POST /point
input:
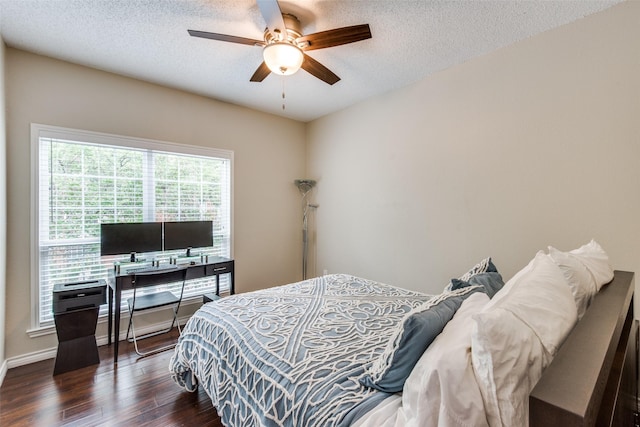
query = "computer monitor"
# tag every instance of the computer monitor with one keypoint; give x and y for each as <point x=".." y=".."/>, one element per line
<point x="187" y="235"/>
<point x="130" y="237"/>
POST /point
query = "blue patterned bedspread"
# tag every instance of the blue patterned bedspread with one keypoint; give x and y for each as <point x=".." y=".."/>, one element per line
<point x="291" y="355"/>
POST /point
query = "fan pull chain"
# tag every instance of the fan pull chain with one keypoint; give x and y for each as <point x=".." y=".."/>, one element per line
<point x="283" y="97"/>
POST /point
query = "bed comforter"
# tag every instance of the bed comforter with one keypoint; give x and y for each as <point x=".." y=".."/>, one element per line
<point x="292" y="355"/>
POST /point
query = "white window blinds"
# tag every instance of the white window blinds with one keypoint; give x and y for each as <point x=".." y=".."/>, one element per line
<point x="85" y="179"/>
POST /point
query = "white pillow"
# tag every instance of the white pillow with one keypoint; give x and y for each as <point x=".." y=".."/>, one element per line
<point x="516" y="336"/>
<point x="583" y="285"/>
<point x="597" y="262"/>
<point x="442" y="389"/>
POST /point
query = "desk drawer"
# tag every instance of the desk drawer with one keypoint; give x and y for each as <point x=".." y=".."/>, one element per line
<point x="221" y="268"/>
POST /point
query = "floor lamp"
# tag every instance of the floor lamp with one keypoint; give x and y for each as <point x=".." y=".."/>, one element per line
<point x="305" y="186"/>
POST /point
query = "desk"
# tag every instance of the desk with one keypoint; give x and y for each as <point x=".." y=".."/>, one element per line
<point x="124" y="281"/>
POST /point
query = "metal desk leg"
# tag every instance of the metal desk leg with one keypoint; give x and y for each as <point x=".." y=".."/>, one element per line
<point x="116" y="326"/>
<point x="110" y="316"/>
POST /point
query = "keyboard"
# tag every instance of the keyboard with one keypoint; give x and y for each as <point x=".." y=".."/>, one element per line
<point x="149" y="269"/>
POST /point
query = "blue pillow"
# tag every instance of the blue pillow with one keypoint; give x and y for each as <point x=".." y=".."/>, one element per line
<point x="486" y="265"/>
<point x="491" y="281"/>
<point x="418" y="329"/>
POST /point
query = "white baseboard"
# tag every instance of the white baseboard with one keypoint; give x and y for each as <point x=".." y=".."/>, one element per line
<point x="33" y="357"/>
<point x="50" y="353"/>
<point x="3" y="371"/>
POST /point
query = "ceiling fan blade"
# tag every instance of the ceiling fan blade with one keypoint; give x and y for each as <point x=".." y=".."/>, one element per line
<point x="273" y="17"/>
<point x="318" y="70"/>
<point x="335" y="37"/>
<point x="261" y="73"/>
<point x="225" y="38"/>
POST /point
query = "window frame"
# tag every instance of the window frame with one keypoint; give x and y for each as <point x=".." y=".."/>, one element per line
<point x="84" y="136"/>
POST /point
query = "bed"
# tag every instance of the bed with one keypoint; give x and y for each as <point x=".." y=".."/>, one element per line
<point x="341" y="350"/>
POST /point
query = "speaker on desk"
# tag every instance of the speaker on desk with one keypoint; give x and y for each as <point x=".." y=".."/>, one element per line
<point x="75" y="311"/>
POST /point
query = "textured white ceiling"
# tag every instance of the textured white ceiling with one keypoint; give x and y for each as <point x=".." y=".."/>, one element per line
<point x="148" y="40"/>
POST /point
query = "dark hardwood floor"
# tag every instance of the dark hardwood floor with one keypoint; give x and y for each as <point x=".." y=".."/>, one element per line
<point x="137" y="392"/>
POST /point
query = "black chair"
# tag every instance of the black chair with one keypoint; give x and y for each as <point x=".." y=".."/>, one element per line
<point x="149" y="301"/>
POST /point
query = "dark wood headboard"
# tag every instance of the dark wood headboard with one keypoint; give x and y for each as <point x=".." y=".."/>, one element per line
<point x="592" y="379"/>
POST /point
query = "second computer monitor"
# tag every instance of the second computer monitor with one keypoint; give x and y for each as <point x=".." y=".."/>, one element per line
<point x="187" y="235"/>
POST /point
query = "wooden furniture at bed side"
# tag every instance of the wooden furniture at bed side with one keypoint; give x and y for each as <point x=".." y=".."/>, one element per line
<point x="592" y="379"/>
<point x="209" y="297"/>
<point x="121" y="282"/>
<point x="618" y="402"/>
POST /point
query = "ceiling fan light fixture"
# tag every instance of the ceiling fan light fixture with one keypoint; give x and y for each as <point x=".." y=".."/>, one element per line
<point x="283" y="58"/>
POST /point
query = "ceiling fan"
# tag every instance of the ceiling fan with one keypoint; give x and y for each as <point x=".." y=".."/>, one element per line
<point x="284" y="45"/>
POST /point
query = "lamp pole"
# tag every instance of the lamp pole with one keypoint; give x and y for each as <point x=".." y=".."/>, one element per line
<point x="305" y="186"/>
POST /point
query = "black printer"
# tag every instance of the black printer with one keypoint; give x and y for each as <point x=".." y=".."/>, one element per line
<point x="79" y="295"/>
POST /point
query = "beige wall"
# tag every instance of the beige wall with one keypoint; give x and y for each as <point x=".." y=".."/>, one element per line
<point x="535" y="144"/>
<point x="269" y="155"/>
<point x="3" y="210"/>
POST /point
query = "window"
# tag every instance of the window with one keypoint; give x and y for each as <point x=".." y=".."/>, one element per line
<point x="83" y="179"/>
